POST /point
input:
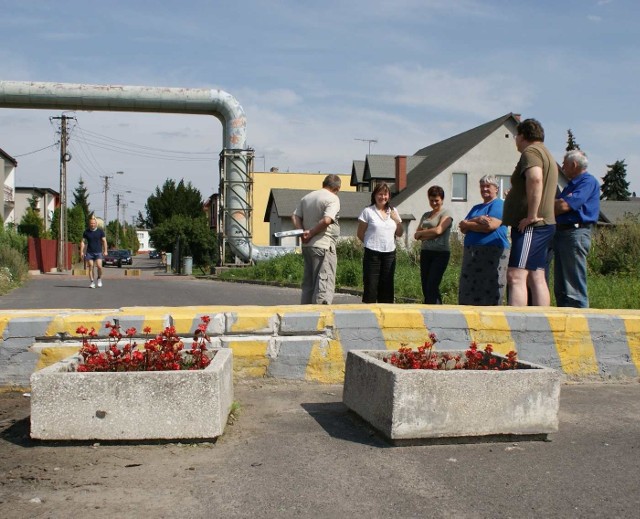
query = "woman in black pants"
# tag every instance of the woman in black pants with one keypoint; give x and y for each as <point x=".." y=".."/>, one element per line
<point x="378" y="226"/>
<point x="434" y="232"/>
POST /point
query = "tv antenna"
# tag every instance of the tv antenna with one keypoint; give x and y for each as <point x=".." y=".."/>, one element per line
<point x="369" y="141"/>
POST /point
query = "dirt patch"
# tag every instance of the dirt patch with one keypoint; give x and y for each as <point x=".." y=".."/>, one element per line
<point x="107" y="479"/>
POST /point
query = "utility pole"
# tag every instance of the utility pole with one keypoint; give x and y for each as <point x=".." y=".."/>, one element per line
<point x="117" y="220"/>
<point x="64" y="158"/>
<point x="369" y="141"/>
<point x="118" y="195"/>
<point x="106" y="191"/>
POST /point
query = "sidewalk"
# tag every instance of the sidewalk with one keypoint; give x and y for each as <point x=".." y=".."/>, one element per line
<point x="295" y="451"/>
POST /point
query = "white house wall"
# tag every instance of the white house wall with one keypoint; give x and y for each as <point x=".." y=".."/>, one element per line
<point x="495" y="155"/>
<point x="9" y="191"/>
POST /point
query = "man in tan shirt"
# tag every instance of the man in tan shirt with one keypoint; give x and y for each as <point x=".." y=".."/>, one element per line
<point x="529" y="210"/>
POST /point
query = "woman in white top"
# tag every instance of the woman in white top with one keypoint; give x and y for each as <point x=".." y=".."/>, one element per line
<point x="378" y="226"/>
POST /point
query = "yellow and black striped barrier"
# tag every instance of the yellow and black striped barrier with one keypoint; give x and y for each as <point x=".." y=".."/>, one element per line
<point x="311" y="342"/>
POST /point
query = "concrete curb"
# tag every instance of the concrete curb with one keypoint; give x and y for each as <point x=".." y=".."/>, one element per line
<point x="311" y="342"/>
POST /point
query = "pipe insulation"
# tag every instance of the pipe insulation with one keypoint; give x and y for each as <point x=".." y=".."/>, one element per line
<point x="119" y="98"/>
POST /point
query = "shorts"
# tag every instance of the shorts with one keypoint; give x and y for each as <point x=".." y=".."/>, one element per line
<point x="93" y="255"/>
<point x="530" y="249"/>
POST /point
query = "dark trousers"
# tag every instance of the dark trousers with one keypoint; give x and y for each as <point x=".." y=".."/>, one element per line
<point x="378" y="271"/>
<point x="432" y="267"/>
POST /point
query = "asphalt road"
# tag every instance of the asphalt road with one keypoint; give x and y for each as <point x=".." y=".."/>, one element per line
<point x="152" y="288"/>
<point x="295" y="451"/>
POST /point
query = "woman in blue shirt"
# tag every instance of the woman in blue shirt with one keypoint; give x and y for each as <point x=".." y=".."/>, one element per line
<point x="484" y="262"/>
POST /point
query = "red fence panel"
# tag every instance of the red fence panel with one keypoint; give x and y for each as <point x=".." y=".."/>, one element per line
<point x="43" y="254"/>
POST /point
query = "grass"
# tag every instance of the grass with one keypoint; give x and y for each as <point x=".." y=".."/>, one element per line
<point x="615" y="289"/>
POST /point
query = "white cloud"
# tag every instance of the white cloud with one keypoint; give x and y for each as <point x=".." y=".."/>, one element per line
<point x="483" y="95"/>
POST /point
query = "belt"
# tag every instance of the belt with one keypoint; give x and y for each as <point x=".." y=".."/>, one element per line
<point x="572" y="226"/>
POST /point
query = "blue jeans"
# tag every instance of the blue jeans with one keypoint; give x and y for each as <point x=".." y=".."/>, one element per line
<point x="570" y="250"/>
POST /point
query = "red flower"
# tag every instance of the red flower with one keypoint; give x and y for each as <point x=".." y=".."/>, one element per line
<point x="82" y="330"/>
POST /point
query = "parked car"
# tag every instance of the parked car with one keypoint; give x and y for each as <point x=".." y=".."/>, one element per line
<point x="117" y="258"/>
<point x="154" y="254"/>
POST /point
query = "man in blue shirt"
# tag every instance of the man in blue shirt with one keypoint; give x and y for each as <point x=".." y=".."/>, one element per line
<point x="577" y="209"/>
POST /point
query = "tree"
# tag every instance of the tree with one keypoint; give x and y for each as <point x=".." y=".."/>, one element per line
<point x="614" y="183"/>
<point x="76" y="224"/>
<point x="192" y="235"/>
<point x="141" y="221"/>
<point x="571" y="142"/>
<point x="81" y="199"/>
<point x="172" y="200"/>
<point x="31" y="224"/>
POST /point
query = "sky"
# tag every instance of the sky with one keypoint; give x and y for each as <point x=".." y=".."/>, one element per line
<point x="316" y="80"/>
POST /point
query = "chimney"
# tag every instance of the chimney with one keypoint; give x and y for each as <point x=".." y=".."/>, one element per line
<point x="401" y="173"/>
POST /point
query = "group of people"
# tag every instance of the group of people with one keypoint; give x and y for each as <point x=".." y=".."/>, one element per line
<point x="545" y="222"/>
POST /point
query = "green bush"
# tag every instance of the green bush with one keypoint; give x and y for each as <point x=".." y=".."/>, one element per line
<point x="350" y="249"/>
<point x="618" y="289"/>
<point x="11" y="239"/>
<point x="615" y="249"/>
<point x="13" y="268"/>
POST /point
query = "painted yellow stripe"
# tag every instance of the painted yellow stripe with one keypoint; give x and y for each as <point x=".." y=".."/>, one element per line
<point x="326" y="363"/>
<point x="252" y="320"/>
<point x="184" y="316"/>
<point x="7" y="316"/>
<point x="49" y="356"/>
<point x="573" y="344"/>
<point x="250" y="358"/>
<point x="632" y="327"/>
<point x="69" y="323"/>
<point x="487" y="327"/>
<point x="401" y="326"/>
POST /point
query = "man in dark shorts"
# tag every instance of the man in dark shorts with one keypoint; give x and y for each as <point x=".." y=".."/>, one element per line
<point x="96" y="248"/>
<point x="529" y="210"/>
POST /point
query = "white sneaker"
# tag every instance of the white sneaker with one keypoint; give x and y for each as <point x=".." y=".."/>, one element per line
<point x="92" y="285"/>
<point x="99" y="283"/>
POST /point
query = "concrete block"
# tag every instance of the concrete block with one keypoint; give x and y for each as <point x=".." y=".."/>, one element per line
<point x="66" y="405"/>
<point x="290" y="356"/>
<point x="299" y="323"/>
<point x="132" y="272"/>
<point x="415" y="404"/>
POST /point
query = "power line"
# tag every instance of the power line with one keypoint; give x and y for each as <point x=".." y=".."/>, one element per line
<point x="55" y="144"/>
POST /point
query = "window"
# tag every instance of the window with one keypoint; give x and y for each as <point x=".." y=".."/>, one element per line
<point x="459" y="190"/>
<point x="504" y="184"/>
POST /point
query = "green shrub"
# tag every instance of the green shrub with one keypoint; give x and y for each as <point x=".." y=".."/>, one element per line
<point x="350" y="249"/>
<point x="615" y="249"/>
<point x="11" y="239"/>
<point x="349" y="273"/>
<point x="13" y="268"/>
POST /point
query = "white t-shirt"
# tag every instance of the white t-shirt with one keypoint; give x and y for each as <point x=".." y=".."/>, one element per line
<point x="381" y="232"/>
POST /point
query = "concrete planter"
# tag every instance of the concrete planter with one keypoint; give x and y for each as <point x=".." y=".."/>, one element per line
<point x="414" y="404"/>
<point x="66" y="405"/>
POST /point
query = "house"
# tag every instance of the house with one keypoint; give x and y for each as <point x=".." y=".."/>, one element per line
<point x="282" y="203"/>
<point x="615" y="211"/>
<point x="144" y="241"/>
<point x="46" y="199"/>
<point x="264" y="182"/>
<point x="456" y="164"/>
<point x="8" y="176"/>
